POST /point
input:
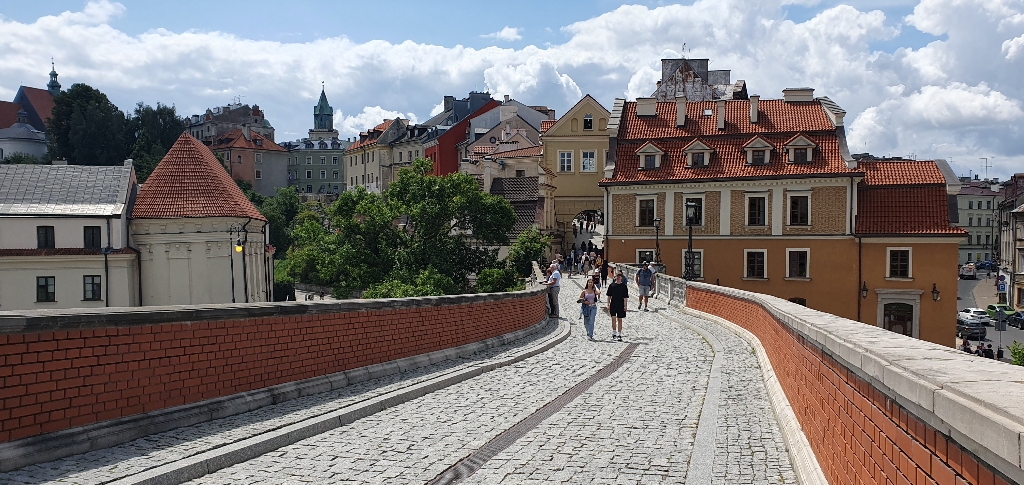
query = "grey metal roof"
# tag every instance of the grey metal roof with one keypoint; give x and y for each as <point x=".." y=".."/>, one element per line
<point x="72" y="190"/>
<point x="22" y="131"/>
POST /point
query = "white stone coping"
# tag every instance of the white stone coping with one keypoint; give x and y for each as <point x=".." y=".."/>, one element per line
<point x="976" y="401"/>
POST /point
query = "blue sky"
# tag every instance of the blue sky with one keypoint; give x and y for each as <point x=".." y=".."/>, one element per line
<point x="933" y="78"/>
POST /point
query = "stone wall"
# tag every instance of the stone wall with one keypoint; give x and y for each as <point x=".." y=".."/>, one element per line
<point x="64" y="369"/>
<point x="877" y="407"/>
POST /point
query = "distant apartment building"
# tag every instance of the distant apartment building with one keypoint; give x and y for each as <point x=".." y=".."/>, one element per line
<point x="248" y="155"/>
<point x="316" y="164"/>
<point x="371" y="151"/>
<point x="218" y="121"/>
<point x="1011" y="241"/>
<point x="978" y="210"/>
<point x="450" y="127"/>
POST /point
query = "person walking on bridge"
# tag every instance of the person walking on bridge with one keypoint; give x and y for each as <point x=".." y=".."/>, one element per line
<point x="589" y="298"/>
<point x="554" y="284"/>
<point x="618" y="295"/>
<point x="645" y="281"/>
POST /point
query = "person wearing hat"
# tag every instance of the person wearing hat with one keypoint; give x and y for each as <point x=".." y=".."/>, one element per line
<point x="645" y="281"/>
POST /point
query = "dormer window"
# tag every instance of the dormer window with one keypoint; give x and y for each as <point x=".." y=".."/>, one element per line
<point x="800" y="149"/>
<point x="588" y="122"/>
<point x="697" y="154"/>
<point x="758" y="151"/>
<point x="650" y="156"/>
<point x="757" y="157"/>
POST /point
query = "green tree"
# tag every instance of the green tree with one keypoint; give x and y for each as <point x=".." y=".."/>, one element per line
<point x="21" y="158"/>
<point x="149" y="133"/>
<point x="1017" y="353"/>
<point x="494" y="280"/>
<point x="529" y="247"/>
<point x="85" y="128"/>
<point x="280" y="210"/>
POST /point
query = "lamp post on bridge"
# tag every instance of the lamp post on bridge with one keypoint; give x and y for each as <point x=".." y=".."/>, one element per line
<point x="657" y="245"/>
<point x="691" y="212"/>
<point x="234" y="238"/>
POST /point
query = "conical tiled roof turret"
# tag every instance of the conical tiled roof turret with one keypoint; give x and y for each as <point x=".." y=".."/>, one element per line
<point x="190" y="182"/>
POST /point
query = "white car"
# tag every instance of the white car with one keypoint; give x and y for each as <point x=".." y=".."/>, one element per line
<point x="974" y="315"/>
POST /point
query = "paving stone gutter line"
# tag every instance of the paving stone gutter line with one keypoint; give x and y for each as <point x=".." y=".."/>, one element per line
<point x="196" y="466"/>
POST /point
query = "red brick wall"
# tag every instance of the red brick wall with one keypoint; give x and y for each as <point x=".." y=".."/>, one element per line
<point x="51" y="381"/>
<point x="858" y="434"/>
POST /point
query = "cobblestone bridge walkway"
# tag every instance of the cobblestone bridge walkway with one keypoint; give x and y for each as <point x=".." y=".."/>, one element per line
<point x="687" y="405"/>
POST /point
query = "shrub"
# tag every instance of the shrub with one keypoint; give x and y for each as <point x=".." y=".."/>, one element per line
<point x="496" y="280"/>
<point x="1017" y="353"/>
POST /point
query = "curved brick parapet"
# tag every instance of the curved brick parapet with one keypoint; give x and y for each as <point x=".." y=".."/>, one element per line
<point x="70" y="368"/>
<point x="877" y="407"/>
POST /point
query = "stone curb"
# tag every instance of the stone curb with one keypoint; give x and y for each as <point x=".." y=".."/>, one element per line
<point x="801" y="456"/>
<point x="105" y="434"/>
<point x="219" y="458"/>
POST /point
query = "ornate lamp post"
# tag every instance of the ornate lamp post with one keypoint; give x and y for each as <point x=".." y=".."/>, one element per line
<point x="234" y="234"/>
<point x="691" y="213"/>
<point x="657" y="246"/>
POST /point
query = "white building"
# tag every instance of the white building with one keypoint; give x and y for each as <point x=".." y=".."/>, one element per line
<point x="64" y="237"/>
<point x="199" y="238"/>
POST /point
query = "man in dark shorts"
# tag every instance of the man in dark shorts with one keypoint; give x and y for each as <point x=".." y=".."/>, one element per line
<point x="618" y="294"/>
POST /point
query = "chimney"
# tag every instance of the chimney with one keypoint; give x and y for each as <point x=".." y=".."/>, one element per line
<point x="680" y="111"/>
<point x="721" y="114"/>
<point x="62" y="161"/>
<point x="245" y="132"/>
<point x="506" y="98"/>
<point x="646" y="107"/>
<point x="753" y="107"/>
<point x="791" y="95"/>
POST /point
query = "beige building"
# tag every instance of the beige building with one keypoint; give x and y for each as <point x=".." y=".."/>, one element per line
<point x="199" y="238"/>
<point x="978" y="208"/>
<point x="369" y="160"/>
<point x="576" y="149"/>
<point x="64" y="237"/>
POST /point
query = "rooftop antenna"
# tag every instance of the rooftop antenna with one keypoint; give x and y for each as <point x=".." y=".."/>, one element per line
<point x="986" y="165"/>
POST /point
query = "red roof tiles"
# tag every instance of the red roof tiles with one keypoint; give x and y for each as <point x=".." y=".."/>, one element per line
<point x="369" y="137"/>
<point x="256" y="141"/>
<point x="775" y="116"/>
<point x="534" y="151"/>
<point x="546" y="124"/>
<point x="900" y="172"/>
<point x="41" y="100"/>
<point x="8" y="113"/>
<point x="190" y="182"/>
<point x="884" y="211"/>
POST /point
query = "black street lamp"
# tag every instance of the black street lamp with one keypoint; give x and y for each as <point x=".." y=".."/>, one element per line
<point x="234" y="238"/>
<point x="657" y="246"/>
<point x="691" y="213"/>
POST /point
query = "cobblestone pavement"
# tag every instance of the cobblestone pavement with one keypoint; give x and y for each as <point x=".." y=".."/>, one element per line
<point x="636" y="426"/>
<point x="106" y="465"/>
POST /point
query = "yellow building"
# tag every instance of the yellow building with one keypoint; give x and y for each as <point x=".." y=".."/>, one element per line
<point x="576" y="148"/>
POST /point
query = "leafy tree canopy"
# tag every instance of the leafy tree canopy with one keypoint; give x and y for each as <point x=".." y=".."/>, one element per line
<point x="530" y="247"/>
<point x="22" y="159"/>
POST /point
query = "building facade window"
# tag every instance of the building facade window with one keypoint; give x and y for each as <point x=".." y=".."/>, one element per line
<point x="698" y="263"/>
<point x="755" y="260"/>
<point x="800" y="155"/>
<point x="588" y="122"/>
<point x="91" y="286"/>
<point x="323" y="160"/>
<point x="309" y="160"/>
<point x="799" y="210"/>
<point x="309" y="189"/>
<point x="698" y="213"/>
<point x="259" y="174"/>
<point x="757" y="157"/>
<point x="798" y="262"/>
<point x="757" y="211"/>
<point x="335" y="174"/>
<point x="399" y="156"/>
<point x="46" y="288"/>
<point x="565" y="161"/>
<point x="334" y="160"/>
<point x="644" y="255"/>
<point x="970" y="204"/>
<point x="988" y="204"/>
<point x="650" y="162"/>
<point x="899" y="263"/>
<point x="520" y="173"/>
<point x="309" y="174"/>
<point x="588" y="162"/>
<point x="44" y="237"/>
<point x="645" y="212"/>
<point x="323" y="174"/>
<point x="970" y="221"/>
<point x="92" y="238"/>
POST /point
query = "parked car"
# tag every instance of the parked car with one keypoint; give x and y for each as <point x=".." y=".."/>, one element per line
<point x="968" y="272"/>
<point x="970" y="330"/>
<point x="974" y="315"/>
<point x="1016" y="320"/>
<point x="993" y="309"/>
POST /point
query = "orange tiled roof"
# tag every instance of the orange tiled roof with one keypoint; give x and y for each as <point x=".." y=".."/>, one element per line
<point x="534" y="151"/>
<point x="545" y="125"/>
<point x="883" y="211"/>
<point x="235" y="139"/>
<point x="900" y="172"/>
<point x="8" y="113"/>
<point x="369" y="137"/>
<point x="774" y="116"/>
<point x="190" y="182"/>
<point x="41" y="100"/>
<point x="728" y="161"/>
<point x="483" y="149"/>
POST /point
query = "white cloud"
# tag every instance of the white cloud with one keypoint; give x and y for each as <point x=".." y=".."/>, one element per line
<point x="507" y="34"/>
<point x="959" y="95"/>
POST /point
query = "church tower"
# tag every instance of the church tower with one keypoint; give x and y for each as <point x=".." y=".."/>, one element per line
<point x="323" y="120"/>
<point x="53" y="86"/>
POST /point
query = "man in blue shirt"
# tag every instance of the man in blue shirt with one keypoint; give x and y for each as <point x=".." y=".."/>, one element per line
<point x="554" y="284"/>
<point x="645" y="281"/>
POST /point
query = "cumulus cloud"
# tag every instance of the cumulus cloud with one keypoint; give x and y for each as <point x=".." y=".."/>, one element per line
<point x="507" y="34"/>
<point x="959" y="95"/>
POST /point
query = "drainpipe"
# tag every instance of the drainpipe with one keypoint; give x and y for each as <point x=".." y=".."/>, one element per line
<point x="607" y="222"/>
<point x="267" y="277"/>
<point x="245" y="273"/>
<point x="860" y="269"/>
<point x="106" y="268"/>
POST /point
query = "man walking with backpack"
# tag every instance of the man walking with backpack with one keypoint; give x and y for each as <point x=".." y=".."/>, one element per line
<point x="645" y="281"/>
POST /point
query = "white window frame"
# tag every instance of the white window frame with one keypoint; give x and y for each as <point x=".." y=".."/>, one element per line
<point x="650" y="149"/>
<point x="800" y="250"/>
<point x="323" y="175"/>
<point x="888" y="264"/>
<point x="593" y="161"/>
<point x="645" y="197"/>
<point x="744" y="265"/>
<point x="746" y="209"/>
<point x="591" y="116"/>
<point x="789" y="207"/>
<point x="335" y="174"/>
<point x="309" y="174"/>
<point x="703" y="211"/>
<point x="259" y="174"/>
<point x="640" y="250"/>
<point x="309" y="160"/>
<point x="561" y="159"/>
<point x="259" y="158"/>
<point x="323" y="160"/>
<point x="334" y="160"/>
<point x="696" y="251"/>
